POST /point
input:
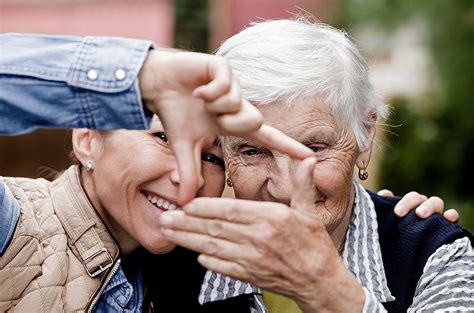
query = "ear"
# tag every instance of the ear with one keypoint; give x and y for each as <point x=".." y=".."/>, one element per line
<point x="83" y="144"/>
<point x="363" y="159"/>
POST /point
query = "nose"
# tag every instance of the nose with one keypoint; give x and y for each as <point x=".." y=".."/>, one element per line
<point x="175" y="176"/>
<point x="280" y="182"/>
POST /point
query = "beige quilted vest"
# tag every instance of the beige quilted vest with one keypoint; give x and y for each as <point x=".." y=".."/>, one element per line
<point x="61" y="254"/>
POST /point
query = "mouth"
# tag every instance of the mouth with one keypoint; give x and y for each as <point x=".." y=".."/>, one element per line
<point x="160" y="203"/>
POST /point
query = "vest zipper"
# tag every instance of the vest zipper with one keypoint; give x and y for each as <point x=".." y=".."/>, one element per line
<point x="106" y="282"/>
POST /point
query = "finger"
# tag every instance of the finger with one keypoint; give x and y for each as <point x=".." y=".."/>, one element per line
<point x="189" y="169"/>
<point x="272" y="138"/>
<point x="451" y="215"/>
<point x="304" y="192"/>
<point x="225" y="267"/>
<point x="220" y="80"/>
<point x="228" y="103"/>
<point x="246" y="120"/>
<point x="385" y="193"/>
<point x="203" y="243"/>
<point x="409" y="202"/>
<point x="431" y="206"/>
<point x="178" y="220"/>
<point x="231" y="210"/>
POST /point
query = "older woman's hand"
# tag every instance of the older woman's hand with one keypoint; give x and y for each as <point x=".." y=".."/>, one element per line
<point x="195" y="95"/>
<point x="424" y="206"/>
<point x="271" y="245"/>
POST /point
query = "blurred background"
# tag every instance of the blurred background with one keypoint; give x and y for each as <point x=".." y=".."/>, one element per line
<point x="420" y="53"/>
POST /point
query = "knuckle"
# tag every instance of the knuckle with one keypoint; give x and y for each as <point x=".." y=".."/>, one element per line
<point x="215" y="228"/>
<point x="437" y="201"/>
<point x="211" y="247"/>
<point x="234" y="103"/>
<point x="413" y="194"/>
<point x="283" y="216"/>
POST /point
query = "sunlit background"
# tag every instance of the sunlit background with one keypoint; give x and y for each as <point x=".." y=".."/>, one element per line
<point x="420" y="53"/>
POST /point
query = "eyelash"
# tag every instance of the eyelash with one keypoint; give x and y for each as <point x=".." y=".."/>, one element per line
<point x="316" y="149"/>
<point x="162" y="136"/>
<point x="206" y="157"/>
<point x="214" y="159"/>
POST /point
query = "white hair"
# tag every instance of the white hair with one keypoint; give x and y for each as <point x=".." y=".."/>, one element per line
<point x="284" y="60"/>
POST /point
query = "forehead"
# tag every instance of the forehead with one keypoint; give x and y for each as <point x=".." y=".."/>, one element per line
<point x="303" y="120"/>
<point x="299" y="117"/>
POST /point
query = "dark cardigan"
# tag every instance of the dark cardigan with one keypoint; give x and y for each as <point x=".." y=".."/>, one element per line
<point x="406" y="245"/>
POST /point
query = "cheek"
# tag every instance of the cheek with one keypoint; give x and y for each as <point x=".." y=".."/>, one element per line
<point x="247" y="181"/>
<point x="213" y="183"/>
<point x="333" y="181"/>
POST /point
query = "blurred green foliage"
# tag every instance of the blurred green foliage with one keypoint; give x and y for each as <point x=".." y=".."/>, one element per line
<point x="433" y="149"/>
<point x="192" y="25"/>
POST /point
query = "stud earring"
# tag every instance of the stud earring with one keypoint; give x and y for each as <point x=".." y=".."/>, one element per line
<point x="229" y="182"/>
<point x="89" y="165"/>
<point x="363" y="174"/>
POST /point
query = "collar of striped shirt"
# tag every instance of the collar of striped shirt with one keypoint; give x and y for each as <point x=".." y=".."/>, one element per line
<point x="361" y="255"/>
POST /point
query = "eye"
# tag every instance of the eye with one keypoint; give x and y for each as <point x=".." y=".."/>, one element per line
<point x="161" y="136"/>
<point x="316" y="148"/>
<point x="214" y="159"/>
<point x="251" y="152"/>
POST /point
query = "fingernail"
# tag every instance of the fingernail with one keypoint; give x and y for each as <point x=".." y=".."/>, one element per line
<point x="167" y="232"/>
<point x="166" y="219"/>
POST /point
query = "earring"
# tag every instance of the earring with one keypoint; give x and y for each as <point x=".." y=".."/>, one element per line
<point x="89" y="165"/>
<point x="229" y="182"/>
<point x="363" y="174"/>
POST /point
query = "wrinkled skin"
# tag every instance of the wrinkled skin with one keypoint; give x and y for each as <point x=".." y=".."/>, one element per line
<point x="287" y="234"/>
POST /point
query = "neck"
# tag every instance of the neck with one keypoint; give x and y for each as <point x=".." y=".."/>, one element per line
<point x="126" y="244"/>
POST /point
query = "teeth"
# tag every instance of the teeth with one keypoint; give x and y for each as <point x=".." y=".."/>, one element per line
<point x="162" y="203"/>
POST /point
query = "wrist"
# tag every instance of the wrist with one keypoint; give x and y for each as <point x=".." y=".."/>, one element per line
<point x="341" y="293"/>
<point x="146" y="80"/>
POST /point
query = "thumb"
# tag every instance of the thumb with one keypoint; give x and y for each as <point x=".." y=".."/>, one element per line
<point x="304" y="192"/>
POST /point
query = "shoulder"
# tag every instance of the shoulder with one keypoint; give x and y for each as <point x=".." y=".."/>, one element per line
<point x="447" y="282"/>
<point x="36" y="218"/>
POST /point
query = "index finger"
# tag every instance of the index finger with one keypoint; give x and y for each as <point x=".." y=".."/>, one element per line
<point x="274" y="139"/>
<point x="219" y="75"/>
<point x="228" y="209"/>
<point x="188" y="170"/>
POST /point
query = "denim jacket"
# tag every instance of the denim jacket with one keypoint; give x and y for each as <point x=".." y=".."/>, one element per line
<point x="71" y="82"/>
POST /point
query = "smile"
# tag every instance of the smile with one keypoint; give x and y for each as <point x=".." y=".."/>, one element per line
<point x="160" y="203"/>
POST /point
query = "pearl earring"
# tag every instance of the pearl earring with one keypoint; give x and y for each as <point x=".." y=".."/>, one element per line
<point x="89" y="165"/>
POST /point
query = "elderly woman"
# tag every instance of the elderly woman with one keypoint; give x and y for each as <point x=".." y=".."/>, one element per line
<point x="308" y="230"/>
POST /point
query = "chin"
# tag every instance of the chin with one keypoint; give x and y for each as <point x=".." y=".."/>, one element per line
<point x="160" y="248"/>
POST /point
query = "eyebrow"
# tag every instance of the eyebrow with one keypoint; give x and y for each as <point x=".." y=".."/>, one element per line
<point x="312" y="137"/>
<point x="318" y="136"/>
<point x="238" y="142"/>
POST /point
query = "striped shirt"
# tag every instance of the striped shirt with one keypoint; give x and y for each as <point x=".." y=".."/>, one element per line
<point x="447" y="282"/>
